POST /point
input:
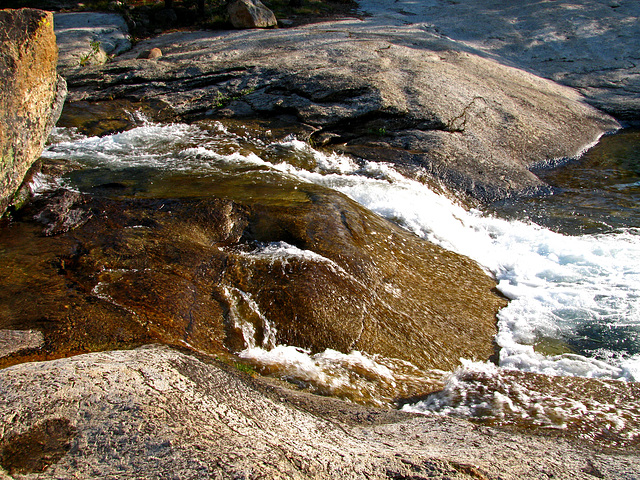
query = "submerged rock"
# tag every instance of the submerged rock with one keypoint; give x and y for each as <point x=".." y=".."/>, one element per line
<point x="32" y="94"/>
<point x="155" y="412"/>
<point x="297" y="265"/>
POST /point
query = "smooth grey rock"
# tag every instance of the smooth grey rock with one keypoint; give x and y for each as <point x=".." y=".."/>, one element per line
<point x="398" y="95"/>
<point x="87" y="38"/>
<point x="591" y="45"/>
<point x="158" y="413"/>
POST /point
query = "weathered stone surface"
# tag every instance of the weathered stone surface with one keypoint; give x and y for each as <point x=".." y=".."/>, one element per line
<point x="89" y="38"/>
<point x="399" y="95"/>
<point x="250" y="14"/>
<point x="32" y="94"/>
<point x="193" y="271"/>
<point x="158" y="413"/>
<point x="590" y="45"/>
<point x="12" y="341"/>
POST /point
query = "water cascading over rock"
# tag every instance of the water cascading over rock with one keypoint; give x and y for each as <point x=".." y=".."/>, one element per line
<point x="324" y="272"/>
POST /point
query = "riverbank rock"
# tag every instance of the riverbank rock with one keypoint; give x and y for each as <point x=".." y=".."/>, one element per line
<point x="300" y="266"/>
<point x="32" y="94"/>
<point x="590" y="45"/>
<point x="12" y="341"/>
<point x="250" y="14"/>
<point x="155" y="413"/>
<point x="88" y="38"/>
<point x="397" y="95"/>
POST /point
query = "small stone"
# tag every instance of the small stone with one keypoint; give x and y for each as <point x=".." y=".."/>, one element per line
<point x="151" y="54"/>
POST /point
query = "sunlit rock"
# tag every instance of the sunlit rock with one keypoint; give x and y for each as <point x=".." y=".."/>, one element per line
<point x="300" y="265"/>
<point x="89" y="38"/>
<point x="156" y="412"/>
<point x="32" y="94"/>
<point x="250" y="14"/>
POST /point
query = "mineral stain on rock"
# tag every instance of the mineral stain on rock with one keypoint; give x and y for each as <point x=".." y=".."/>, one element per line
<point x="42" y="445"/>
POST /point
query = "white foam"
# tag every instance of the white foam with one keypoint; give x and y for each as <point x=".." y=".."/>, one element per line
<point x="41" y="183"/>
<point x="328" y="367"/>
<point x="247" y="317"/>
<point x="326" y="163"/>
<point x="483" y="391"/>
<point x="282" y="252"/>
<point x="354" y="376"/>
<point x="175" y="147"/>
<point x="557" y="284"/>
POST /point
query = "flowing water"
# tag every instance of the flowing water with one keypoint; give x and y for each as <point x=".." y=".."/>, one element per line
<point x="569" y="262"/>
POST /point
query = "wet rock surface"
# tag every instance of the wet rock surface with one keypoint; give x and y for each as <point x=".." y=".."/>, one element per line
<point x="31" y="97"/>
<point x="155" y="412"/>
<point x="302" y="261"/>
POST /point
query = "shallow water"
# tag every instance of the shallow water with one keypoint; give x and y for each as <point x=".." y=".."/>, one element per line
<point x="569" y="262"/>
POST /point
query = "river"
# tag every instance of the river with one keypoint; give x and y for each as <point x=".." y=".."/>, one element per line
<point x="569" y="262"/>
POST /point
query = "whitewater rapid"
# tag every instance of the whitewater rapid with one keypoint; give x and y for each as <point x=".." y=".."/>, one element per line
<point x="560" y="287"/>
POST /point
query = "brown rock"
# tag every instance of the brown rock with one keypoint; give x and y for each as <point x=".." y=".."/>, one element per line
<point x="31" y="96"/>
<point x="322" y="271"/>
<point x="251" y="14"/>
<point x="154" y="53"/>
<point x="151" y="54"/>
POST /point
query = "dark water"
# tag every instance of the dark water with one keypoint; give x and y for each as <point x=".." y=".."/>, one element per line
<point x="598" y="193"/>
